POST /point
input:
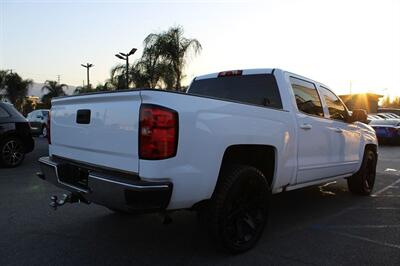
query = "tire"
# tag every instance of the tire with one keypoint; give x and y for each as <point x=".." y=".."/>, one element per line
<point x="44" y="131"/>
<point x="362" y="182"/>
<point x="12" y="152"/>
<point x="238" y="210"/>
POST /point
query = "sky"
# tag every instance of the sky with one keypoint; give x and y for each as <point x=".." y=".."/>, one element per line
<point x="351" y="46"/>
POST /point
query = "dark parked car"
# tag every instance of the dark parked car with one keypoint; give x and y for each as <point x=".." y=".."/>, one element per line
<point x="387" y="130"/>
<point x="38" y="120"/>
<point x="389" y="110"/>
<point x="15" y="136"/>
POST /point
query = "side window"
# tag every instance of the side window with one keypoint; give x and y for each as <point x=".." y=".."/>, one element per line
<point x="307" y="98"/>
<point x="3" y="113"/>
<point x="336" y="108"/>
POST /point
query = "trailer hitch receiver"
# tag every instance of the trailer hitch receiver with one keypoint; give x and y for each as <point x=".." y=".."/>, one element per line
<point x="66" y="198"/>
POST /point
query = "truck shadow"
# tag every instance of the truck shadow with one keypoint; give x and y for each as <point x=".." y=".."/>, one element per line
<point x="145" y="239"/>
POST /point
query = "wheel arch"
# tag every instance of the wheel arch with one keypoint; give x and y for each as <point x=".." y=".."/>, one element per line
<point x="262" y="157"/>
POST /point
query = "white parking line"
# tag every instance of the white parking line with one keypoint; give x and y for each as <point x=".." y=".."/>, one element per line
<point x="385" y="188"/>
<point x="367" y="226"/>
<point x="368" y="240"/>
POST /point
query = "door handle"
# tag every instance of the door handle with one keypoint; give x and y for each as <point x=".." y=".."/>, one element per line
<point x="338" y="130"/>
<point x="306" y="126"/>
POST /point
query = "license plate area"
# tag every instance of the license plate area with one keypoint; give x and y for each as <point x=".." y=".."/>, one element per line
<point x="73" y="175"/>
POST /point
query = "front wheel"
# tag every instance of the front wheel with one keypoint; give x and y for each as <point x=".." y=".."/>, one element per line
<point x="362" y="182"/>
<point x="239" y="208"/>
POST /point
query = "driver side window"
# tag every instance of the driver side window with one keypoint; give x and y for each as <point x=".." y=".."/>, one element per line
<point x="336" y="108"/>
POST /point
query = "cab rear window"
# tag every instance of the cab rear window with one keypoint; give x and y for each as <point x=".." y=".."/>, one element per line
<point x="259" y="89"/>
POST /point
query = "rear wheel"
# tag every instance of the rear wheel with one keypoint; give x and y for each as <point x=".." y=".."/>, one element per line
<point x="363" y="181"/>
<point x="12" y="152"/>
<point x="239" y="208"/>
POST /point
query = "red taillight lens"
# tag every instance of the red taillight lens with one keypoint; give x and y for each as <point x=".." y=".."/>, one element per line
<point x="48" y="128"/>
<point x="158" y="132"/>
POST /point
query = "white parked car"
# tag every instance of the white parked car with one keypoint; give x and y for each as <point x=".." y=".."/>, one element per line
<point x="38" y="120"/>
<point x="222" y="148"/>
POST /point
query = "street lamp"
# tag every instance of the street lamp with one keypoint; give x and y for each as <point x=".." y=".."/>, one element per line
<point x="87" y="66"/>
<point x="126" y="58"/>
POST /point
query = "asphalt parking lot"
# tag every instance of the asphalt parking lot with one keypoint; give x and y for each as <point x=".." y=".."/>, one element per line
<point x="321" y="225"/>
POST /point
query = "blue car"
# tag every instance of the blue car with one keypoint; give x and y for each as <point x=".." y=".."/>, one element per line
<point x="387" y="130"/>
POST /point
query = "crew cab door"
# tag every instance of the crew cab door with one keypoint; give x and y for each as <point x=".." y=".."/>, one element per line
<point x="347" y="135"/>
<point x="317" y="145"/>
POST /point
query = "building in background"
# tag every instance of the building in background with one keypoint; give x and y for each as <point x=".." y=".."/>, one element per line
<point x="367" y="101"/>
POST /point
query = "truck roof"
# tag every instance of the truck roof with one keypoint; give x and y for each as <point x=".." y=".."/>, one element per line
<point x="254" y="71"/>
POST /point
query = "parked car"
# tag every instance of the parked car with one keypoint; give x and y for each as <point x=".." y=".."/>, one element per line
<point x="384" y="116"/>
<point x="222" y="148"/>
<point x="38" y="120"/>
<point x="389" y="110"/>
<point x="390" y="115"/>
<point x="15" y="136"/>
<point x="374" y="117"/>
<point x="387" y="130"/>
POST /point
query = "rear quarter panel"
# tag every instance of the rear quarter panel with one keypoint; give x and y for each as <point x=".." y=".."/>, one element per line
<point x="207" y="127"/>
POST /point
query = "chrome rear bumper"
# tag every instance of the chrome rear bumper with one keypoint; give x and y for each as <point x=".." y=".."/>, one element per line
<point x="110" y="189"/>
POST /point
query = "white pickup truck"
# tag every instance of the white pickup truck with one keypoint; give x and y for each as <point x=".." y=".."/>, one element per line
<point x="223" y="147"/>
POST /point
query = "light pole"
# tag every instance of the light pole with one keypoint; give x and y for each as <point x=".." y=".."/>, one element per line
<point x="87" y="66"/>
<point x="126" y="58"/>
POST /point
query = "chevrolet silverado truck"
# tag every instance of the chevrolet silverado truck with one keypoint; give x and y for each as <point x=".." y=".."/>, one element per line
<point x="221" y="148"/>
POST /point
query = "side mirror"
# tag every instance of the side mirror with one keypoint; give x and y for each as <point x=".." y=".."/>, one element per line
<point x="359" y="115"/>
<point x="39" y="116"/>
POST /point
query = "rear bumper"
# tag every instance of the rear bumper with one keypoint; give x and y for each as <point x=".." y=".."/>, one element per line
<point x="110" y="189"/>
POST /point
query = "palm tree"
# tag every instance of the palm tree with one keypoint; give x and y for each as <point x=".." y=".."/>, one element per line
<point x="150" y="71"/>
<point x="174" y="48"/>
<point x="104" y="87"/>
<point x="117" y="77"/>
<point x="53" y="90"/>
<point x="82" y="89"/>
<point x="3" y="76"/>
<point x="138" y="76"/>
<point x="14" y="88"/>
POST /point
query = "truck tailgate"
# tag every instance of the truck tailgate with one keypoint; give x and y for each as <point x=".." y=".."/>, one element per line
<point x="99" y="129"/>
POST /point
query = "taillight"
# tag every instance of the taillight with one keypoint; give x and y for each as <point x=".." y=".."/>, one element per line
<point x="230" y="73"/>
<point x="48" y="128"/>
<point x="158" y="132"/>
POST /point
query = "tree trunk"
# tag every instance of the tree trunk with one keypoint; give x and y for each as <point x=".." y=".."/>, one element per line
<point x="178" y="79"/>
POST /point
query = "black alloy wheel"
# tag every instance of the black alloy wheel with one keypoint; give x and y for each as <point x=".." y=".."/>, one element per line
<point x="240" y="209"/>
<point x="12" y="152"/>
<point x="362" y="182"/>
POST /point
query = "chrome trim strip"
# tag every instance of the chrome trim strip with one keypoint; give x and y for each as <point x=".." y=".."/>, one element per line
<point x="128" y="185"/>
<point x="49" y="163"/>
